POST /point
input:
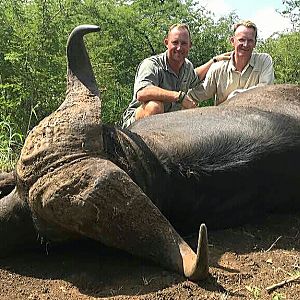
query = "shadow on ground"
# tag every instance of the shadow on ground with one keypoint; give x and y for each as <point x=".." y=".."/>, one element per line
<point x="97" y="271"/>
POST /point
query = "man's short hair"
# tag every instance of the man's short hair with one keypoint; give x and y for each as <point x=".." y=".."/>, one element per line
<point x="246" y="23"/>
<point x="179" y="26"/>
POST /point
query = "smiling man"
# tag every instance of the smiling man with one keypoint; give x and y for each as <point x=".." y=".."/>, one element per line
<point x="162" y="81"/>
<point x="245" y="69"/>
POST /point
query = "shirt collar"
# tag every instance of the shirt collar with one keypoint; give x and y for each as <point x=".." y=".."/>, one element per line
<point x="167" y="67"/>
<point x="251" y="62"/>
<point x="231" y="64"/>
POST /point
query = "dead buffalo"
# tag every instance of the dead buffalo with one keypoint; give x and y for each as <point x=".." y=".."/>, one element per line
<point x="135" y="189"/>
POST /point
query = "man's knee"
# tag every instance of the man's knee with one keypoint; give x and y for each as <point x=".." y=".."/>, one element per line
<point x="154" y="108"/>
<point x="148" y="109"/>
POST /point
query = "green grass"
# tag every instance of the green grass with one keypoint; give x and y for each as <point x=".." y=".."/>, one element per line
<point x="10" y="145"/>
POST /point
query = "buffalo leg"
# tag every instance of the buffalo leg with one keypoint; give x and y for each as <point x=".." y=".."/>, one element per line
<point x="16" y="226"/>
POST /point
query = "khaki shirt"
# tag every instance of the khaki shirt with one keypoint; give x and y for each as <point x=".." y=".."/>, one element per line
<point x="155" y="71"/>
<point x="224" y="81"/>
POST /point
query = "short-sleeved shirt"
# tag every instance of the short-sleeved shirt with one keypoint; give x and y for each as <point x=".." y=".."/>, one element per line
<point x="155" y="71"/>
<point x="223" y="80"/>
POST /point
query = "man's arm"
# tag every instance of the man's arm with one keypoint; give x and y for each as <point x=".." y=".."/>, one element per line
<point x="267" y="73"/>
<point x="203" y="69"/>
<point x="207" y="89"/>
<point x="158" y="94"/>
<point x="152" y="92"/>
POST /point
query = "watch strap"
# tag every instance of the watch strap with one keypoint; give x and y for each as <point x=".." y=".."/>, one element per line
<point x="181" y="96"/>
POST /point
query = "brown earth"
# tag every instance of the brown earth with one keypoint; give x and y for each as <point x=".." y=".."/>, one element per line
<point x="244" y="262"/>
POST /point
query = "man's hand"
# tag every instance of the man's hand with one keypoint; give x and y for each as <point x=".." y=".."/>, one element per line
<point x="188" y="102"/>
<point x="223" y="56"/>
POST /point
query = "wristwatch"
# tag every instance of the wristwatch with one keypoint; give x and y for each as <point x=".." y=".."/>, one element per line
<point x="181" y="96"/>
<point x="214" y="59"/>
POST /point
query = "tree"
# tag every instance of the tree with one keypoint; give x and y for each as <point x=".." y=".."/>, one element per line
<point x="292" y="10"/>
<point x="285" y="56"/>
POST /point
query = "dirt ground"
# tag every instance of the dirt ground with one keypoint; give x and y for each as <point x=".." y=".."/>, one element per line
<point x="244" y="262"/>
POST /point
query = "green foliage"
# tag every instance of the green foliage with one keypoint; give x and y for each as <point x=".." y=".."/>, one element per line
<point x="211" y="38"/>
<point x="33" y="74"/>
<point x="278" y="296"/>
<point x="254" y="291"/>
<point x="284" y="48"/>
<point x="292" y="10"/>
<point x="10" y="144"/>
<point x="285" y="56"/>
